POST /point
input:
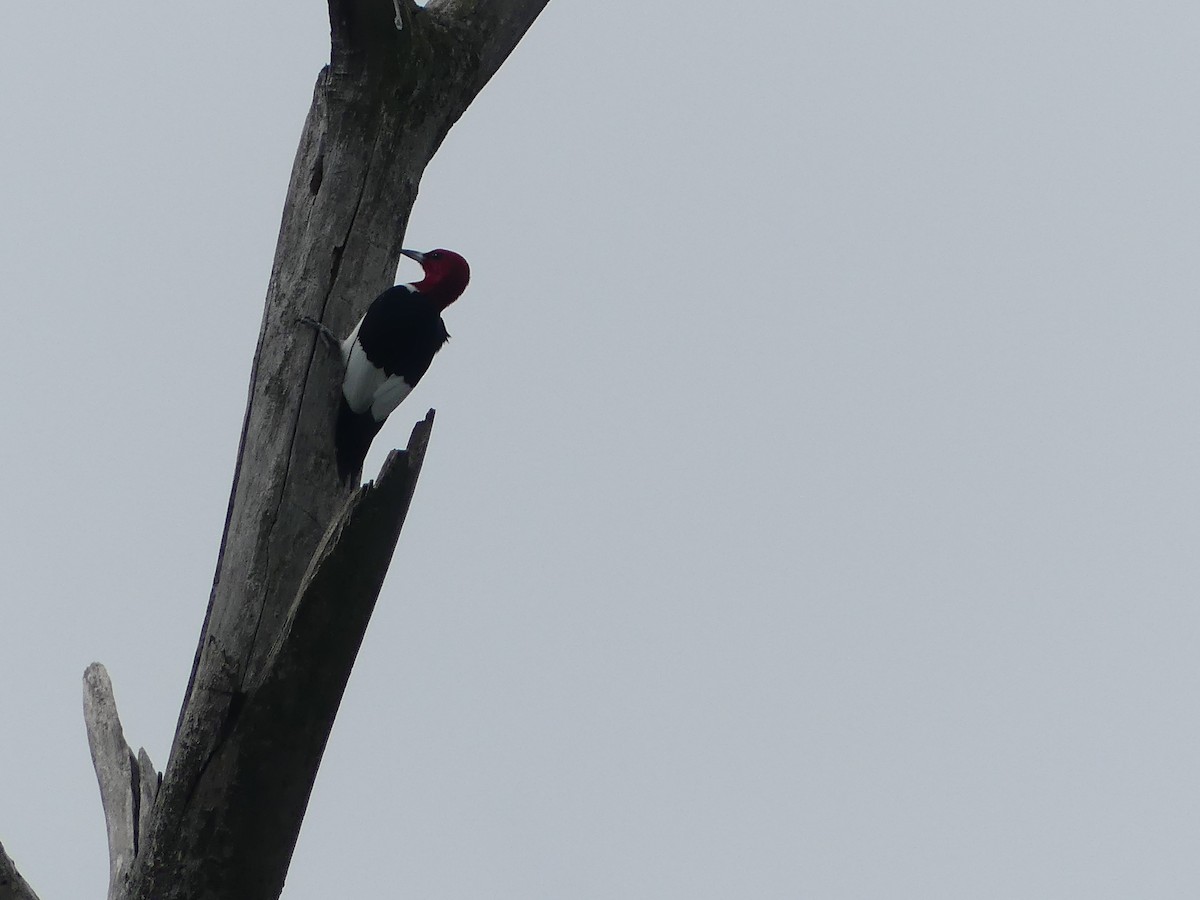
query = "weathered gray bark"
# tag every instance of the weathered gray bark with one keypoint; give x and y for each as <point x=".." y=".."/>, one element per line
<point x="128" y="783"/>
<point x="303" y="556"/>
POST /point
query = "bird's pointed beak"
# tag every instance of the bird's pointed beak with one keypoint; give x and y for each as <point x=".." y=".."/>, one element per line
<point x="414" y="254"/>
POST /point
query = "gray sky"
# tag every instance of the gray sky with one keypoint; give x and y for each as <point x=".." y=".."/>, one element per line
<point x="812" y="509"/>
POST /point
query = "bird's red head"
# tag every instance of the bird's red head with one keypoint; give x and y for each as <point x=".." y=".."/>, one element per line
<point x="446" y="274"/>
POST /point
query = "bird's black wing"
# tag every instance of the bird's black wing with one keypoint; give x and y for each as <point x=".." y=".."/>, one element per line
<point x="401" y="333"/>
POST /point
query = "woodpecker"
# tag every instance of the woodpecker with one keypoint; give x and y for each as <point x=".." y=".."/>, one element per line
<point x="389" y="350"/>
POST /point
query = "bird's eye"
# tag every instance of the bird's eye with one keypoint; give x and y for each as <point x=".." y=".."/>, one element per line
<point x="436" y="254"/>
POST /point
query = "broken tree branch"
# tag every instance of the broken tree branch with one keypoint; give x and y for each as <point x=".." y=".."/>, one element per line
<point x="266" y="762"/>
<point x="127" y="782"/>
<point x="148" y="779"/>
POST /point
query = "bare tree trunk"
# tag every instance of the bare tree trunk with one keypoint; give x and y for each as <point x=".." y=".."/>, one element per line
<point x="303" y="556"/>
<point x="253" y="726"/>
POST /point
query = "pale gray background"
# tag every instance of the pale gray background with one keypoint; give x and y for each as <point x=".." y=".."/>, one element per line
<point x="812" y="510"/>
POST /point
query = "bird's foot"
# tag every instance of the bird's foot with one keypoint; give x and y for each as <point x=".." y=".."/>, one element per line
<point x="329" y="336"/>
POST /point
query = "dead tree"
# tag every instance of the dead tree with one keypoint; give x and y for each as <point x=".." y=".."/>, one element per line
<point x="303" y="556"/>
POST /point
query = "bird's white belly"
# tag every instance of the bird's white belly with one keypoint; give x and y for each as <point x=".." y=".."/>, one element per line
<point x="368" y="387"/>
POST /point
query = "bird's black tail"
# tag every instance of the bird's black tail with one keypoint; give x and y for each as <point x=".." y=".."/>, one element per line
<point x="352" y="438"/>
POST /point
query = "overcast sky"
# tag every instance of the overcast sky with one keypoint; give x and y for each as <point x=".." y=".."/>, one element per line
<point x="813" y="506"/>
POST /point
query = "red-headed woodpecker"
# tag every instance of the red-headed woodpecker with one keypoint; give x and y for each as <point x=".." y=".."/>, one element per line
<point x="390" y="349"/>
